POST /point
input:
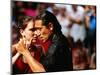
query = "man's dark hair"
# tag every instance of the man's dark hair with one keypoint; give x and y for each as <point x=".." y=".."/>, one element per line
<point x="48" y="17"/>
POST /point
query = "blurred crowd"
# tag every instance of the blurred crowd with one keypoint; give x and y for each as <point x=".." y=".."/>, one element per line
<point x="78" y="24"/>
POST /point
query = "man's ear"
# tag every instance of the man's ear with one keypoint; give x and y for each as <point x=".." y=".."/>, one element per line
<point x="50" y="26"/>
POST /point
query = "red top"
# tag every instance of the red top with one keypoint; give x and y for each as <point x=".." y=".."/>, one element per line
<point x="24" y="67"/>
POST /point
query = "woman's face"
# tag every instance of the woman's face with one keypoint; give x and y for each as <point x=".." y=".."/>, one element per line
<point x="28" y="33"/>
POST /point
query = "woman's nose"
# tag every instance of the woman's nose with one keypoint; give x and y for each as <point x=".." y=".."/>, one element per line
<point x="37" y="33"/>
<point x="34" y="35"/>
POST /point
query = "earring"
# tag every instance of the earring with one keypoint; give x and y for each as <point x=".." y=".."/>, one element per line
<point x="50" y="28"/>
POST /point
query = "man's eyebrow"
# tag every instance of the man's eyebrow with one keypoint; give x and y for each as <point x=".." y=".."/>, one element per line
<point x="37" y="27"/>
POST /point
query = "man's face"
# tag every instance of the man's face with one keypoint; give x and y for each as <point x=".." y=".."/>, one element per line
<point x="43" y="32"/>
<point x="28" y="33"/>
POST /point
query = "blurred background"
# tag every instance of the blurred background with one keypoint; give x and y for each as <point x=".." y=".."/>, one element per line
<point x="78" y="24"/>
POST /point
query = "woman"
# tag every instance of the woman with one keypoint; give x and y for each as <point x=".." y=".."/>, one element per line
<point x="27" y="41"/>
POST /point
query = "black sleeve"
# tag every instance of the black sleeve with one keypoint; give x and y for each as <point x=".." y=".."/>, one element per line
<point x="58" y="59"/>
<point x="48" y="61"/>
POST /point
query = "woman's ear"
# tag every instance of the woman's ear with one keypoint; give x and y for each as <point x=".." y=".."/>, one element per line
<point x="22" y="32"/>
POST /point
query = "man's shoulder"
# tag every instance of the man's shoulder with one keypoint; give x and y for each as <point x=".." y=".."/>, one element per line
<point x="60" y="41"/>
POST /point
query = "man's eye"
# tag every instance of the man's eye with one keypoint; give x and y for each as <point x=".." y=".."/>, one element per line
<point x="39" y="28"/>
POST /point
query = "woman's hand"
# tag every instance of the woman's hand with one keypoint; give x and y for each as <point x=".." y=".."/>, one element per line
<point x="21" y="48"/>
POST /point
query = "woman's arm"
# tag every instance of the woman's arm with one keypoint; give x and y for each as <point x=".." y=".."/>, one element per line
<point x="34" y="64"/>
<point x="15" y="57"/>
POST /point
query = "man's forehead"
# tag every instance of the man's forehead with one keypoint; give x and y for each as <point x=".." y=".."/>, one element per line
<point x="38" y="23"/>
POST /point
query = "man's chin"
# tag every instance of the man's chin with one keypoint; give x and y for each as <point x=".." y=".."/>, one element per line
<point x="44" y="41"/>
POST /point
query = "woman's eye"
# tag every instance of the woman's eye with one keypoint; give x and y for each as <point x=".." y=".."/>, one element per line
<point x="33" y="29"/>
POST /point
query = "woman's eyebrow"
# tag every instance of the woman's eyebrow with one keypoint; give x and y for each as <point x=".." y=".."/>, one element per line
<point x="33" y="29"/>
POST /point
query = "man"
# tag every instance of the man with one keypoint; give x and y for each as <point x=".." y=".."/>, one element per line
<point x="58" y="56"/>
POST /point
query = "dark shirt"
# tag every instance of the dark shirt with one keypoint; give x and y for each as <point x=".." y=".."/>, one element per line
<point x="58" y="57"/>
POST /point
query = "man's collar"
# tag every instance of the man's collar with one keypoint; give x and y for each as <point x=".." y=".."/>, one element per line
<point x="55" y="38"/>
